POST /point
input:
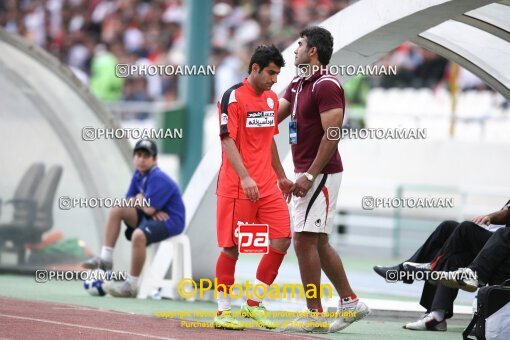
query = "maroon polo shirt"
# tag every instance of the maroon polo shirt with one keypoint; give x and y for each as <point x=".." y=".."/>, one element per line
<point x="319" y="93"/>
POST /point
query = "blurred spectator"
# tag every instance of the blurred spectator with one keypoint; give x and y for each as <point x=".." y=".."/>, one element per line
<point x="356" y="92"/>
<point x="103" y="81"/>
<point x="468" y="81"/>
<point x="432" y="70"/>
<point x="143" y="31"/>
<point x="136" y="91"/>
<point x="229" y="71"/>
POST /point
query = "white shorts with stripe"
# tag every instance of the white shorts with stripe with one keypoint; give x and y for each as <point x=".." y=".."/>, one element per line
<point x="314" y="212"/>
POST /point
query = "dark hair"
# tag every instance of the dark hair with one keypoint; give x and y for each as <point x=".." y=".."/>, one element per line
<point x="264" y="55"/>
<point x="320" y="38"/>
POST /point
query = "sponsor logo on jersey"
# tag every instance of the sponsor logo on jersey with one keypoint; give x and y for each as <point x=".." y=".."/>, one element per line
<point x="260" y="119"/>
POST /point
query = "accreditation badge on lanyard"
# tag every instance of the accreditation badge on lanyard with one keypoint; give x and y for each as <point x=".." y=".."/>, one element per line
<point x="293" y="124"/>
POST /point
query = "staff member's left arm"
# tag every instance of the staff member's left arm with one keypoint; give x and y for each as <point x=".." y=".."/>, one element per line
<point x="332" y="118"/>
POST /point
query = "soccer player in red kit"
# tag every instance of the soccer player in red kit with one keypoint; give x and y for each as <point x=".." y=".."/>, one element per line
<point x="252" y="186"/>
<point x="315" y="101"/>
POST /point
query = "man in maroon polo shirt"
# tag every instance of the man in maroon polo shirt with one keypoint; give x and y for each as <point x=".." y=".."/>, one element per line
<point x="315" y="102"/>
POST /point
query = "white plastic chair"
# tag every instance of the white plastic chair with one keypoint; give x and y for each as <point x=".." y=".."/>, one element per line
<point x="175" y="251"/>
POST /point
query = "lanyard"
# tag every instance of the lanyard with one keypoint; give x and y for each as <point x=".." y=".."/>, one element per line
<point x="142" y="185"/>
<point x="144" y="180"/>
<point x="294" y="107"/>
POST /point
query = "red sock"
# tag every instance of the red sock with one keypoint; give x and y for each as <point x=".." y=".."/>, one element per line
<point x="225" y="270"/>
<point x="252" y="303"/>
<point x="269" y="265"/>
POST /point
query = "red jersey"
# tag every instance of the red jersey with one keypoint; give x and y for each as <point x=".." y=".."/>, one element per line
<point x="250" y="120"/>
<point x="319" y="93"/>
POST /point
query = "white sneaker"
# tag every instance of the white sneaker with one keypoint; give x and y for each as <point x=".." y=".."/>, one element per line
<point x="427" y="323"/>
<point x="463" y="278"/>
<point x="126" y="289"/>
<point x="346" y="315"/>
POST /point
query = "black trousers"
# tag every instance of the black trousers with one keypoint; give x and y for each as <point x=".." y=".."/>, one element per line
<point x="459" y="250"/>
<point x="492" y="264"/>
<point x="429" y="250"/>
<point x="466" y="241"/>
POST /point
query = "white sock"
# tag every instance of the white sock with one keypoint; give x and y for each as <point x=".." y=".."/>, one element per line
<point x="258" y="291"/>
<point x="438" y="315"/>
<point x="223" y="302"/>
<point x="107" y="253"/>
<point x="133" y="280"/>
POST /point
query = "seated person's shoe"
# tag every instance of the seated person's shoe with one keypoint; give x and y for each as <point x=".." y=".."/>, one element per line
<point x="462" y="278"/>
<point x="427" y="323"/>
<point x="417" y="267"/>
<point x="97" y="262"/>
<point x="383" y="272"/>
<point x="126" y="289"/>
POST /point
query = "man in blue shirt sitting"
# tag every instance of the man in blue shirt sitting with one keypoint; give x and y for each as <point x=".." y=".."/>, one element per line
<point x="163" y="218"/>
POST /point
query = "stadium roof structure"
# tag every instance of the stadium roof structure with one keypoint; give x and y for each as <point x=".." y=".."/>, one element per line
<point x="43" y="112"/>
<point x="474" y="34"/>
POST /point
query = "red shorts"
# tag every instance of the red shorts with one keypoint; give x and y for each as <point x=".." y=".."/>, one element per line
<point x="271" y="210"/>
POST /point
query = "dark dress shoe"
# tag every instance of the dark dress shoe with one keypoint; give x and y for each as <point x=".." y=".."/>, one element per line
<point x="392" y="276"/>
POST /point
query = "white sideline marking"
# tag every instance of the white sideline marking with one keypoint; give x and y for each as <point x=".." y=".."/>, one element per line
<point x="86" y="327"/>
<point x="84" y="308"/>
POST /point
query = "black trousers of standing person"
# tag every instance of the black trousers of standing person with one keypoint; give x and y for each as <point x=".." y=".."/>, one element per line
<point x="459" y="250"/>
<point x="492" y="264"/>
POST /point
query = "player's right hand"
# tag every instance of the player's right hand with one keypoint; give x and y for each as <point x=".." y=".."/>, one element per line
<point x="250" y="188"/>
<point x="482" y="220"/>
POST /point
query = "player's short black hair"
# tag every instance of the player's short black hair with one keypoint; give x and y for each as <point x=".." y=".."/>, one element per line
<point x="320" y="38"/>
<point x="265" y="55"/>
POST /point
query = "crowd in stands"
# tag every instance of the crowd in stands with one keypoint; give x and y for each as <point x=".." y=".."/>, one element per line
<point x="93" y="36"/>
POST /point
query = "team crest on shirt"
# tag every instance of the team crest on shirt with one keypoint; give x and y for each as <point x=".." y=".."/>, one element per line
<point x="224" y="119"/>
<point x="270" y="102"/>
<point x="260" y="119"/>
